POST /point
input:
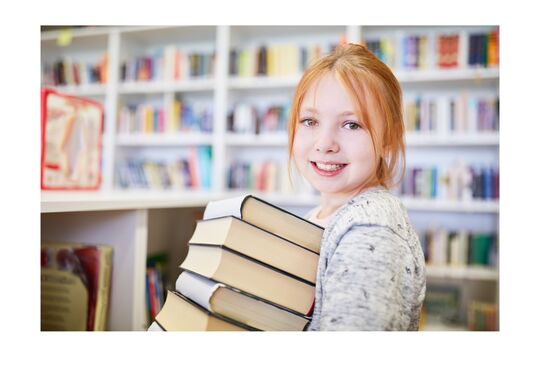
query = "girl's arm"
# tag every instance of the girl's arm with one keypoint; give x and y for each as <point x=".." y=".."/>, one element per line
<point x="371" y="283"/>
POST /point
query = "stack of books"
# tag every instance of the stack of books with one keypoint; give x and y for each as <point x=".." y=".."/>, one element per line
<point x="250" y="266"/>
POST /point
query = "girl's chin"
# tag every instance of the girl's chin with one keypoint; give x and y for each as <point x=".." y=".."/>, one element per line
<point x="324" y="187"/>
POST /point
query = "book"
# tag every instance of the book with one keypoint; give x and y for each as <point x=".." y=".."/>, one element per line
<point x="181" y="314"/>
<point x="64" y="301"/>
<point x="261" y="245"/>
<point x="482" y="316"/>
<point x="96" y="263"/>
<point x="155" y="282"/>
<point x="71" y="142"/>
<point x="234" y="269"/>
<point x="238" y="305"/>
<point x="268" y="217"/>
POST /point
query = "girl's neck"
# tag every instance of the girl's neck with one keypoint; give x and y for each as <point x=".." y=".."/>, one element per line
<point x="331" y="202"/>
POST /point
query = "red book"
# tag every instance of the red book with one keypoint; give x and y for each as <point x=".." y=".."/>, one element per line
<point x="97" y="264"/>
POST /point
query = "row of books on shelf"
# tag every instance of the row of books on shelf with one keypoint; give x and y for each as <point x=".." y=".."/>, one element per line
<point x="191" y="172"/>
<point x="482" y="316"/>
<point x="265" y="176"/>
<point x="461" y="113"/>
<point x="75" y="286"/>
<point x="68" y="71"/>
<point x="443" y="247"/>
<point x="244" y="118"/>
<point x="427" y="51"/>
<point x="177" y="117"/>
<point x="250" y="266"/>
<point x="169" y="63"/>
<point x="458" y="181"/>
<point x="155" y="283"/>
<point x="275" y="59"/>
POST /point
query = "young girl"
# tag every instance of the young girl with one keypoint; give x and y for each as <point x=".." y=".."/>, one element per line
<point x="346" y="138"/>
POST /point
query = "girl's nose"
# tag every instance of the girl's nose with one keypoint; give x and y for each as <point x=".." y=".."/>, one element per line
<point x="326" y="141"/>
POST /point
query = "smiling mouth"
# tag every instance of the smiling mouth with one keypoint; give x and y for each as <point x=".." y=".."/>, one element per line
<point x="328" y="167"/>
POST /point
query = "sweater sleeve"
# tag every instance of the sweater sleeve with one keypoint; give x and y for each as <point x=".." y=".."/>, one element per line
<point x="367" y="281"/>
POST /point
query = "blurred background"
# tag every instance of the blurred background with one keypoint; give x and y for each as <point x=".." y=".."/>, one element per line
<point x="197" y="113"/>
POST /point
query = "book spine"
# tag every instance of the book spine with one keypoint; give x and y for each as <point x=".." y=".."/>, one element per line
<point x="104" y="289"/>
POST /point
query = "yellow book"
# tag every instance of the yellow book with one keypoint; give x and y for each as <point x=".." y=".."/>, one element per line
<point x="64" y="301"/>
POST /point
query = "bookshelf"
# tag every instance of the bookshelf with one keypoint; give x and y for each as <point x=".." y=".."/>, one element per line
<point x="218" y="89"/>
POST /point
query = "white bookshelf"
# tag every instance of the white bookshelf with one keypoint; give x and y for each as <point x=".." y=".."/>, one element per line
<point x="164" y="87"/>
<point x="463" y="272"/>
<point x="164" y="139"/>
<point x="449" y="75"/>
<point x="83" y="90"/>
<point x="222" y="90"/>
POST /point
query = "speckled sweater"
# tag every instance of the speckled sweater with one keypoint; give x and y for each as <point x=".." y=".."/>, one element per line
<point x="371" y="273"/>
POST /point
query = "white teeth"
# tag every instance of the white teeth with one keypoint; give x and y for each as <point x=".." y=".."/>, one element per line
<point x="329" y="167"/>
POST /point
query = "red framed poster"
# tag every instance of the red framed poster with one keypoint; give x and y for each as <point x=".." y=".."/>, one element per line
<point x="71" y="142"/>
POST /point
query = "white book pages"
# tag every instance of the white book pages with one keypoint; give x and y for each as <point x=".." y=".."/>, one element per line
<point x="226" y="207"/>
<point x="197" y="288"/>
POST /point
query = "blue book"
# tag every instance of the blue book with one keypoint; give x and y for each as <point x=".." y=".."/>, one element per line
<point x="434" y="182"/>
<point x="205" y="166"/>
<point x="488" y="183"/>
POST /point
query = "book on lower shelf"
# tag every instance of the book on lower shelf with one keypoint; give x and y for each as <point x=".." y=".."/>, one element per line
<point x="482" y="316"/>
<point x="250" y="263"/>
<point x="65" y="268"/>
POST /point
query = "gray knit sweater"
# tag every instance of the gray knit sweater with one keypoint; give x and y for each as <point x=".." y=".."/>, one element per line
<point x="371" y="273"/>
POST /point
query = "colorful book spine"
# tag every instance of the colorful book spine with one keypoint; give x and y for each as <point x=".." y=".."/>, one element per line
<point x="482" y="316"/>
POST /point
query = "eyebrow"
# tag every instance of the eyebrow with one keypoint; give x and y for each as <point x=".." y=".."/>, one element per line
<point x="314" y="111"/>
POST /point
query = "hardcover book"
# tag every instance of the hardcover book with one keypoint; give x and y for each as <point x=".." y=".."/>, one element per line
<point x="238" y="305"/>
<point x="181" y="314"/>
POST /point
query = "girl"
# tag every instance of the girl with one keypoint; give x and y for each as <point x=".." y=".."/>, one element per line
<point x="346" y="138"/>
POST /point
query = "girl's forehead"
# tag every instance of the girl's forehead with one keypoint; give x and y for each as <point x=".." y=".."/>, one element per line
<point x="327" y="94"/>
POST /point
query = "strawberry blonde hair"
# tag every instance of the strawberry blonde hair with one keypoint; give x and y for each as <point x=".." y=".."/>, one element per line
<point x="373" y="88"/>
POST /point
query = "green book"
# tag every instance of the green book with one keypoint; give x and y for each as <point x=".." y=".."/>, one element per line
<point x="480" y="246"/>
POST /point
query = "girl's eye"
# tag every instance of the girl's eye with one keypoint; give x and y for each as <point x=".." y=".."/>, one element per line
<point x="352" y="126"/>
<point x="308" y="122"/>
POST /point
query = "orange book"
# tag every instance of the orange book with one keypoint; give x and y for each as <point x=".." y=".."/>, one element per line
<point x="493" y="49"/>
<point x="193" y="164"/>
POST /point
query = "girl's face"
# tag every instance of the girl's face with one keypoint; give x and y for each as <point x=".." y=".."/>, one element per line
<point x="331" y="148"/>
